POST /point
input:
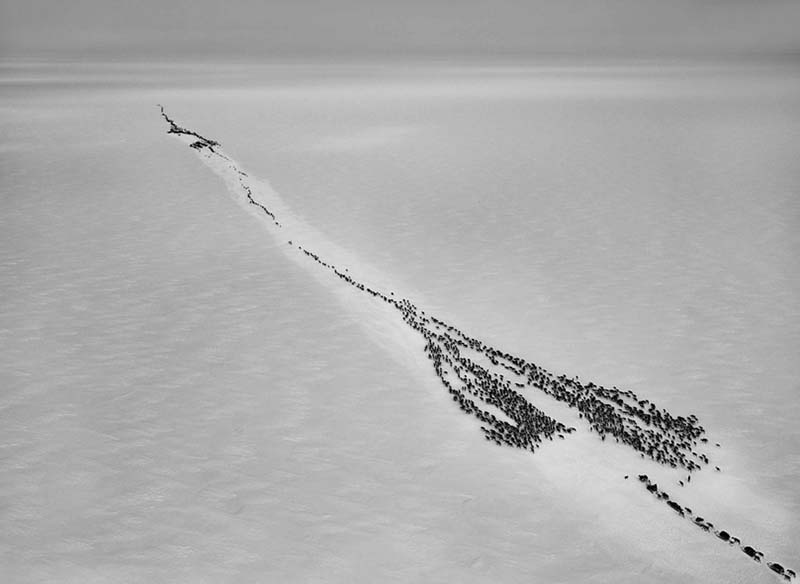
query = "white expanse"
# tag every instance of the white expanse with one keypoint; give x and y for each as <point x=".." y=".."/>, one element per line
<point x="182" y="401"/>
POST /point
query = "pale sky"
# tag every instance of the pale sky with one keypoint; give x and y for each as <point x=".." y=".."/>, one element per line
<point x="262" y="29"/>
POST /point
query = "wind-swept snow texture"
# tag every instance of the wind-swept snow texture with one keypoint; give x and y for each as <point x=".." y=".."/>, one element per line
<point x="497" y="388"/>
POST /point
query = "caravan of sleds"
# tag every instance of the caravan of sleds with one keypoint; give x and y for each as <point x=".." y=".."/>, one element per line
<point x="481" y="378"/>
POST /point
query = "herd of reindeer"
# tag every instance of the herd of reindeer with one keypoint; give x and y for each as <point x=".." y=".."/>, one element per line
<point x="487" y="383"/>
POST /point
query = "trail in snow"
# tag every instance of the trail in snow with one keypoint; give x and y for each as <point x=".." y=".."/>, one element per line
<point x="487" y="383"/>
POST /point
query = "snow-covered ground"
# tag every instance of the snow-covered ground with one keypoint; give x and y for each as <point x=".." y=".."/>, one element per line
<point x="182" y="399"/>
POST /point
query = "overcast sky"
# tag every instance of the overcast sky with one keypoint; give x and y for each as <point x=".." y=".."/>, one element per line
<point x="403" y="28"/>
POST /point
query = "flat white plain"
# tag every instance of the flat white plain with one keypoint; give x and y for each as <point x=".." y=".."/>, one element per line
<point x="182" y="402"/>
